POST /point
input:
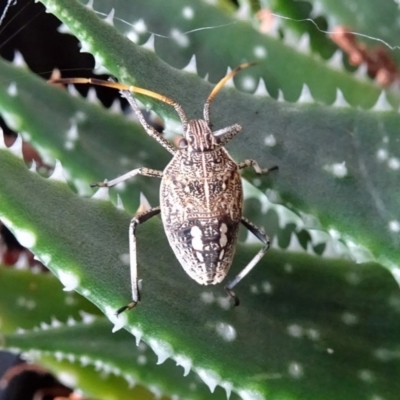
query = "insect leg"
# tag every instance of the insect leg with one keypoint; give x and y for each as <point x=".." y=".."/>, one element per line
<point x="138" y="171"/>
<point x="256" y="167"/>
<point x="259" y="233"/>
<point x="227" y="134"/>
<point x="136" y="220"/>
<point x="148" y="128"/>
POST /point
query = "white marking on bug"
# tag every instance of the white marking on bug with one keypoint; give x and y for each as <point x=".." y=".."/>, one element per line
<point x="188" y="12"/>
<point x="394" y="226"/>
<point x="221" y="254"/>
<point x="206" y="185"/>
<point x="260" y="51"/>
<point x="210" y="378"/>
<point x="200" y="257"/>
<point x="270" y="140"/>
<point x="295" y="369"/>
<point x="162" y="349"/>
<point x="180" y="38"/>
<point x="223" y="239"/>
<point x="394" y="163"/>
<point x="382" y="154"/>
<point x="197" y="242"/>
<point x="226" y="331"/>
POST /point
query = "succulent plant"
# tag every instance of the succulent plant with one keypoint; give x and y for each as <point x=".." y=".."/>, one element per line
<point x="319" y="314"/>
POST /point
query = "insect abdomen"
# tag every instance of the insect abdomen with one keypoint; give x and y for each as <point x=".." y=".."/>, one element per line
<point x="201" y="213"/>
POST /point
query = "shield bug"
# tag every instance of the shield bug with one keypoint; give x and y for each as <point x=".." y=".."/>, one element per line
<point x="201" y="196"/>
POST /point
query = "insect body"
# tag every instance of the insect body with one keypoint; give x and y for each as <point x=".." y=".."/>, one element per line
<point x="201" y="205"/>
<point x="201" y="195"/>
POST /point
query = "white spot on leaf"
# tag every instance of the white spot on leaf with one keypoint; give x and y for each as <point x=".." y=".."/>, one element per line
<point x="188" y="12"/>
<point x="70" y="280"/>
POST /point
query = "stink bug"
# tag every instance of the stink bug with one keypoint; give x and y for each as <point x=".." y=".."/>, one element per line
<point x="201" y="196"/>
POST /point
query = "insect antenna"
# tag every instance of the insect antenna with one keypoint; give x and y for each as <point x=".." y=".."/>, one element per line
<point x="219" y="86"/>
<point x="130" y="88"/>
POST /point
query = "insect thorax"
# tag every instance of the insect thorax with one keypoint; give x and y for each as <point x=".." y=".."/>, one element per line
<point x="201" y="205"/>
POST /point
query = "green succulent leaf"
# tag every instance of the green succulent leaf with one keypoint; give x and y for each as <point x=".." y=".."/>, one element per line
<point x="338" y="164"/>
<point x="24" y="300"/>
<point x="48" y="331"/>
<point x="285" y="67"/>
<point x="377" y="23"/>
<point x="300" y="329"/>
<point x="308" y="326"/>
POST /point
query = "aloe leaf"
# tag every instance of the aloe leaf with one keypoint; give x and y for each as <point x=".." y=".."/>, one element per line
<point x="300" y="19"/>
<point x="86" y="378"/>
<point x="92" y="143"/>
<point x="47" y="332"/>
<point x="113" y="355"/>
<point x="281" y="66"/>
<point x="377" y="23"/>
<point x="336" y="163"/>
<point x="24" y="300"/>
<point x="329" y="332"/>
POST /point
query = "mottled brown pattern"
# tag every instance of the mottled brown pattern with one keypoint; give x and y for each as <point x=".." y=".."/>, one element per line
<point x="202" y="189"/>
